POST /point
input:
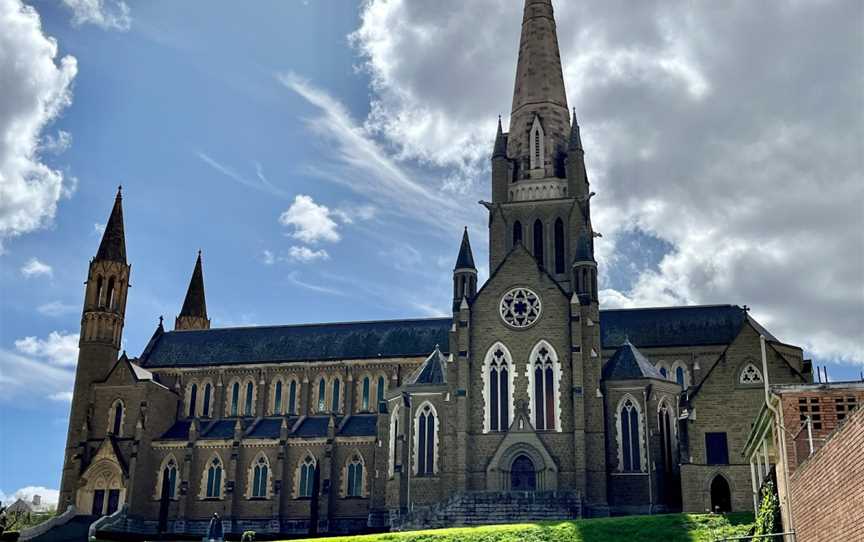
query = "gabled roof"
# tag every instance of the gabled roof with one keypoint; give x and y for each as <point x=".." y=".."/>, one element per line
<point x="113" y="244"/>
<point x="628" y="364"/>
<point x="313" y="342"/>
<point x="432" y="372"/>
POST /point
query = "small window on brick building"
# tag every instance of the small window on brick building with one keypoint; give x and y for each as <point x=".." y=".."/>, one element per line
<point x="716" y="449"/>
<point x="844" y="406"/>
<point x="813" y="410"/>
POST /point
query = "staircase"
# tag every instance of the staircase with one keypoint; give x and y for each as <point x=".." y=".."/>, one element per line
<point x="491" y="507"/>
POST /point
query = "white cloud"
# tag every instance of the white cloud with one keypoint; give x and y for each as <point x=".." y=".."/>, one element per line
<point x="49" y="497"/>
<point x="106" y="14"/>
<point x="98" y="229"/>
<point x="306" y="255"/>
<point x="26" y="381"/>
<point x="348" y="214"/>
<point x="35" y="91"/>
<point x="56" y="308"/>
<point x="61" y="396"/>
<point x="268" y="257"/>
<point x="730" y="135"/>
<point x="56" y="144"/>
<point x="35" y="268"/>
<point x="262" y="183"/>
<point x="311" y="222"/>
<point x="294" y="278"/>
<point x="60" y="348"/>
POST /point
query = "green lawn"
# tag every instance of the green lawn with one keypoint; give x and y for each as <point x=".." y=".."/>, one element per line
<point x="665" y="528"/>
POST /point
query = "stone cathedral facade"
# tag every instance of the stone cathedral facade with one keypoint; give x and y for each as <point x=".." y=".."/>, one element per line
<point x="530" y="402"/>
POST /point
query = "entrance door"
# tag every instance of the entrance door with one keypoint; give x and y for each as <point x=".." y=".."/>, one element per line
<point x="721" y="498"/>
<point x="522" y="474"/>
<point x="98" y="502"/>
<point x="113" y="501"/>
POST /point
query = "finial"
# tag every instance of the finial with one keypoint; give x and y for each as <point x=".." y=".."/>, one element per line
<point x="119" y="190"/>
<point x="160" y="320"/>
<point x="199" y="252"/>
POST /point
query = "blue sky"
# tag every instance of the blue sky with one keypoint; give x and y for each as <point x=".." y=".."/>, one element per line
<point x="325" y="156"/>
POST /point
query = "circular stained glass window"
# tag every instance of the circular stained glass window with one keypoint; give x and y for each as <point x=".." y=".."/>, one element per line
<point x="520" y="307"/>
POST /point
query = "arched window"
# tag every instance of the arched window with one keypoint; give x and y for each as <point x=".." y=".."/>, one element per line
<point x="292" y="398"/>
<point x="664" y="372"/>
<point x="250" y="392"/>
<point x="193" y="398"/>
<point x="306" y="477"/>
<point x="679" y="375"/>
<point x="498" y="375"/>
<point x="259" y="476"/>
<point x="166" y="487"/>
<point x="664" y="423"/>
<point x="116" y="416"/>
<point x="354" y="477"/>
<point x="543" y="376"/>
<point x="322" y="395"/>
<point x="517" y="233"/>
<point x="235" y="398"/>
<point x="629" y="436"/>
<point x="559" y="246"/>
<point x="537" y="157"/>
<point x="205" y="410"/>
<point x="277" y="398"/>
<point x="538" y="242"/>
<point x="425" y="440"/>
<point x="394" y="434"/>
<point x="382" y="387"/>
<point x="99" y="292"/>
<point x="335" y="397"/>
<point x="750" y="375"/>
<point x="364" y="401"/>
<point x="213" y="489"/>
<point x="109" y="295"/>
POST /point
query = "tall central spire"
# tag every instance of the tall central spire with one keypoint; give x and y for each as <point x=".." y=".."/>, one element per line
<point x="539" y="93"/>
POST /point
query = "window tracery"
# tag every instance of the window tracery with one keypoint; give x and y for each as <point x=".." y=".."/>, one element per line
<point x="520" y="308"/>
<point x="544" y="373"/>
<point x="306" y="477"/>
<point x="750" y="375"/>
<point x="259" y="478"/>
<point x="498" y="377"/>
<point x="630" y="436"/>
<point x="425" y="440"/>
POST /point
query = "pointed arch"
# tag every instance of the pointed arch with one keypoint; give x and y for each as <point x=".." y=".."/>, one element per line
<point x="391" y="444"/>
<point x="630" y="435"/>
<point x="680" y="374"/>
<point x="276" y="404"/>
<point x="560" y="245"/>
<point x="322" y="394"/>
<point x="666" y="430"/>
<point x="116" y="418"/>
<point x="206" y="398"/>
<point x="720" y="493"/>
<point x="305" y="476"/>
<point x="213" y="478"/>
<point x="293" y="388"/>
<point x="336" y="395"/>
<point x="258" y="477"/>
<point x="365" y="393"/>
<point x="168" y="475"/>
<point x="544" y="378"/>
<point x="517" y="233"/>
<point x="192" y="400"/>
<point x="354" y="476"/>
<point x="539" y="242"/>
<point x="498" y="377"/>
<point x="249" y="397"/>
<point x="426" y="424"/>
<point x="750" y="374"/>
<point x="537" y="144"/>
<point x="380" y="391"/>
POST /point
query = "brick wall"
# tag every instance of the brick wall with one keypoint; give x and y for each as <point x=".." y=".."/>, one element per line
<point x="828" y="489"/>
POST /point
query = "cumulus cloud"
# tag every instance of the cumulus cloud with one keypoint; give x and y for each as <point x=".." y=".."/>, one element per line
<point x="59" y="348"/>
<point x="311" y="222"/>
<point x="729" y="135"/>
<point x="50" y="497"/>
<point x="35" y="268"/>
<point x="37" y="87"/>
<point x="306" y="255"/>
<point x="27" y="380"/>
<point x="106" y="14"/>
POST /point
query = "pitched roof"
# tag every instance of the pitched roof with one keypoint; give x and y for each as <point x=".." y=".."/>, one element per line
<point x="178" y="431"/>
<point x="113" y="244"/>
<point x="431" y="372"/>
<point x="629" y="363"/>
<point x="360" y="425"/>
<point x="466" y="257"/>
<point x="314" y="426"/>
<point x="671" y="326"/>
<point x="269" y="428"/>
<point x="195" y="304"/>
<point x="311" y="342"/>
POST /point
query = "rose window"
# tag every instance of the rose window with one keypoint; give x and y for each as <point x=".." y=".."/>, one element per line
<point x="520" y="307"/>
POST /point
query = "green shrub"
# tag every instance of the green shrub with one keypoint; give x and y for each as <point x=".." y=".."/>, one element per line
<point x="248" y="536"/>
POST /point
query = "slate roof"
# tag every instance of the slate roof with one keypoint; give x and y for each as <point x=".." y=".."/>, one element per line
<point x="270" y="428"/>
<point x="314" y="426"/>
<point x="671" y="326"/>
<point x="222" y="429"/>
<point x="431" y="372"/>
<point x="360" y="425"/>
<point x="178" y="431"/>
<point x="629" y="363"/>
<point x="314" y="342"/>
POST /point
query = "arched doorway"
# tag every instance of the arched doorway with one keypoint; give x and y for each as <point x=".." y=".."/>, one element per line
<point x="523" y="477"/>
<point x="721" y="496"/>
<point x="104" y="490"/>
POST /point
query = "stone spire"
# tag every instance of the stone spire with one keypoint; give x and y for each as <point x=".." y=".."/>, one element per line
<point x="539" y="91"/>
<point x="500" y="150"/>
<point x="575" y="134"/>
<point x="113" y="245"/>
<point x="466" y="256"/>
<point x="193" y="315"/>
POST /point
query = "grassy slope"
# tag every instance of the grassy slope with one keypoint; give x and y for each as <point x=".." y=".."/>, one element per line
<point x="666" y="528"/>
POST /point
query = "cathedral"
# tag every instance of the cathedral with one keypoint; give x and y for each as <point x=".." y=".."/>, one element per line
<point x="529" y="402"/>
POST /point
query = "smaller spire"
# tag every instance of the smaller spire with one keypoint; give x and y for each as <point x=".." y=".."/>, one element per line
<point x="193" y="315"/>
<point x="575" y="134"/>
<point x="466" y="257"/>
<point x="113" y="245"/>
<point x="500" y="142"/>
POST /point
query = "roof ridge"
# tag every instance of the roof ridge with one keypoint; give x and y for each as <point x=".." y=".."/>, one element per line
<point x="313" y="324"/>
